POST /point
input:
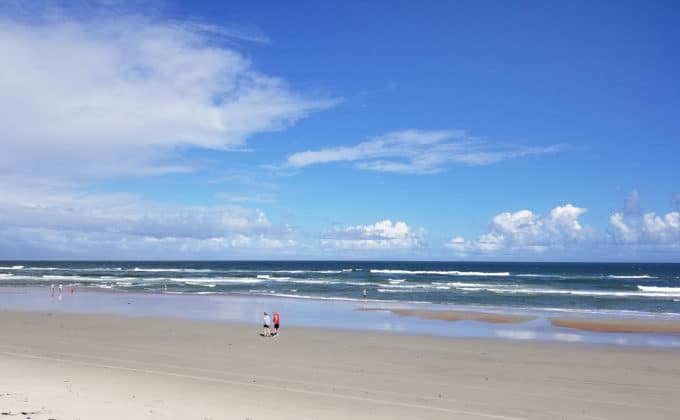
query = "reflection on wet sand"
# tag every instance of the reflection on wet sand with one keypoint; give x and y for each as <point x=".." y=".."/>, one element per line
<point x="457" y="315"/>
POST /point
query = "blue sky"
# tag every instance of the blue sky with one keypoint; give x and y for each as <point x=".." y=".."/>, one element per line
<point x="442" y="130"/>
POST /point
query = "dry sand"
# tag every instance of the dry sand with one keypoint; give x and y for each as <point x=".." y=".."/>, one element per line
<point x="456" y="315"/>
<point x="63" y="366"/>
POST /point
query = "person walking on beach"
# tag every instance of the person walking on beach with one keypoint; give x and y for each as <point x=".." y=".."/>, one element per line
<point x="365" y="294"/>
<point x="276" y="323"/>
<point x="266" y="332"/>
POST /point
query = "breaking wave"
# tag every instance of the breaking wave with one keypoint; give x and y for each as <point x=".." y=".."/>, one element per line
<point x="442" y="273"/>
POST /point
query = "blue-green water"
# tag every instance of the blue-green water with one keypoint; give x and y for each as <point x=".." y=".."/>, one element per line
<point x="650" y="288"/>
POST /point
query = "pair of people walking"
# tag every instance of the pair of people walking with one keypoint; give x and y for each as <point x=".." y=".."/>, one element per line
<point x="266" y="331"/>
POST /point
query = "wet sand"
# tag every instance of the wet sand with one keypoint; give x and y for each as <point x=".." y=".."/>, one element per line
<point x="69" y="366"/>
<point x="495" y="318"/>
<point x="618" y="325"/>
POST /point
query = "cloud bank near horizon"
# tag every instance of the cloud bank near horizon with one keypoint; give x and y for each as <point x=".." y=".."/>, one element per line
<point x="523" y="231"/>
<point x="383" y="235"/>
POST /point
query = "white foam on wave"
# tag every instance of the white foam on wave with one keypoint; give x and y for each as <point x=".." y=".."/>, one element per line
<point x="396" y="281"/>
<point x="445" y="285"/>
<point x="38" y="268"/>
<point x="74" y="269"/>
<point x="173" y="270"/>
<point x="641" y="276"/>
<point x="64" y="277"/>
<point x="224" y="280"/>
<point x="458" y="284"/>
<point x="556" y="276"/>
<point x="193" y="283"/>
<point x="443" y="273"/>
<point x="269" y="277"/>
<point x="308" y="281"/>
<point x="6" y="275"/>
<point x="307" y="271"/>
<point x="532" y="291"/>
<point x="658" y="289"/>
<point x="409" y="286"/>
<point x="311" y="281"/>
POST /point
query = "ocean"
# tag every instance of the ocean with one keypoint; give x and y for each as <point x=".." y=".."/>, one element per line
<point x="582" y="287"/>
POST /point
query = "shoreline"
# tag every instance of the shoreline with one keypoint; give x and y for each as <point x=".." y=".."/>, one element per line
<point x="56" y="365"/>
<point x="443" y="320"/>
<point x="471" y="307"/>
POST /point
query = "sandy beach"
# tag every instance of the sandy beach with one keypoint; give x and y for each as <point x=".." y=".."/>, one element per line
<point x="68" y="366"/>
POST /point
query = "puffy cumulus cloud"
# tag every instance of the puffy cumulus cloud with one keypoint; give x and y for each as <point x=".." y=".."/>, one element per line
<point x="649" y="229"/>
<point x="383" y="235"/>
<point x="525" y="230"/>
<point x="61" y="224"/>
<point x="417" y="151"/>
<point x="116" y="95"/>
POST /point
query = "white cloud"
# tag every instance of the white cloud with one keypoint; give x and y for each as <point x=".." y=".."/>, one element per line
<point x="626" y="233"/>
<point x="525" y="230"/>
<point x="63" y="224"/>
<point x="649" y="229"/>
<point x="383" y="235"/>
<point x="630" y="234"/>
<point x="119" y="95"/>
<point x="417" y="151"/>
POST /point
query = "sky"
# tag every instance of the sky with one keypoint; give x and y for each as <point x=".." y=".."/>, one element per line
<point x="435" y="130"/>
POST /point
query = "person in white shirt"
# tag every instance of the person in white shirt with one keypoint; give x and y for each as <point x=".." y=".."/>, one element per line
<point x="265" y="329"/>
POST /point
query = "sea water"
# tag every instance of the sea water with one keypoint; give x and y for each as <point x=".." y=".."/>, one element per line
<point x="583" y="287"/>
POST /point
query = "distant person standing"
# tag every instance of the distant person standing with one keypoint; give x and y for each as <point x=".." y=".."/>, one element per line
<point x="276" y="323"/>
<point x="52" y="290"/>
<point x="365" y="294"/>
<point x="266" y="332"/>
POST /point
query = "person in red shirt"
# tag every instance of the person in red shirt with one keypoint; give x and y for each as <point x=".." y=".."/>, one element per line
<point x="276" y="323"/>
